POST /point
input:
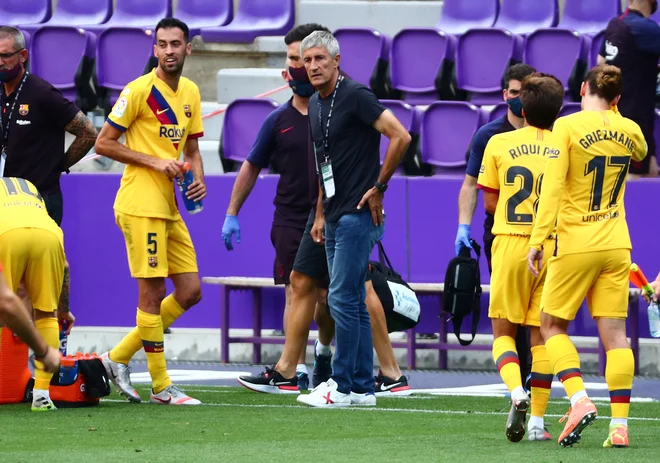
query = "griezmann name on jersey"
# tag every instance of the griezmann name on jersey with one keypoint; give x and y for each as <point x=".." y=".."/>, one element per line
<point x="157" y="122"/>
<point x="584" y="186"/>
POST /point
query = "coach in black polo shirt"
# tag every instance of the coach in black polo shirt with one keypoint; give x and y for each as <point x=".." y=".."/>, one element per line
<point x="346" y="120"/>
<point x="632" y="43"/>
<point x="35" y="117"/>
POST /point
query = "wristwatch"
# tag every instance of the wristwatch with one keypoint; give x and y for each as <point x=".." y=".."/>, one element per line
<point x="380" y="187"/>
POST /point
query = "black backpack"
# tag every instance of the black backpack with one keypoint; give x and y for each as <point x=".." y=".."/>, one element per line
<point x="462" y="294"/>
<point x="391" y="289"/>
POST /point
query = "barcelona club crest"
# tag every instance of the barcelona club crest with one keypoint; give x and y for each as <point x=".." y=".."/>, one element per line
<point x="186" y="110"/>
<point x="23" y="109"/>
<point x="153" y="262"/>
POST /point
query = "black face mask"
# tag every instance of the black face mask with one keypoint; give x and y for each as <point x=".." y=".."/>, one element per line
<point x="300" y="85"/>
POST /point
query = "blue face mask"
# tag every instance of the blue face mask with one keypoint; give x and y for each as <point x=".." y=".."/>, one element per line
<point x="515" y="105"/>
<point x="8" y="75"/>
<point x="300" y="85"/>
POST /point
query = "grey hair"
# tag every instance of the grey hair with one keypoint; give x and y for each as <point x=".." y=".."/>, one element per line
<point x="17" y="35"/>
<point x="320" y="39"/>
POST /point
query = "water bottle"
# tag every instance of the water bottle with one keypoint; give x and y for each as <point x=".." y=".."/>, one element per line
<point x="63" y="339"/>
<point x="68" y="373"/>
<point x="193" y="207"/>
<point x="654" y="319"/>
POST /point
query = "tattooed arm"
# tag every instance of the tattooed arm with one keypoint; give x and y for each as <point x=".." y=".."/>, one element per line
<point x="85" y="134"/>
<point x="63" y="310"/>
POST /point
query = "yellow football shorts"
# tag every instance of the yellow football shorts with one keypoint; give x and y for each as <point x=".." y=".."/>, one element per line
<point x="515" y="294"/>
<point x="601" y="276"/>
<point x="34" y="256"/>
<point x="157" y="248"/>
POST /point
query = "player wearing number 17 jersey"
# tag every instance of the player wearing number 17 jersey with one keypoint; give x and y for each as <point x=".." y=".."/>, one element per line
<point x="32" y="251"/>
<point x="160" y="113"/>
<point x="583" y="192"/>
<point x="511" y="176"/>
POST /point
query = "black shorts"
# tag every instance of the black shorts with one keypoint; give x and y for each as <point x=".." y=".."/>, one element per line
<point x="55" y="207"/>
<point x="311" y="259"/>
<point x="285" y="241"/>
<point x="643" y="167"/>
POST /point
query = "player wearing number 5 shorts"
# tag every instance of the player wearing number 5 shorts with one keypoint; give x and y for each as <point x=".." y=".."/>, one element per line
<point x="583" y="191"/>
<point x="32" y="251"/>
<point x="160" y="113"/>
<point x="511" y="175"/>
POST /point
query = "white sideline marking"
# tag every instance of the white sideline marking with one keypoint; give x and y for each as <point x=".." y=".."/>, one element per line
<point x="380" y="409"/>
<point x="179" y="376"/>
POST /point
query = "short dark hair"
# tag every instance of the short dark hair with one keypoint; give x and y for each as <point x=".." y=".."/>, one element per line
<point x="518" y="72"/>
<point x="605" y="81"/>
<point x="298" y="33"/>
<point x="542" y="96"/>
<point x="170" y="23"/>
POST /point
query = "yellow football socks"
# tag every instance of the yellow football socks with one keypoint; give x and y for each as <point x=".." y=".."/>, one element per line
<point x="170" y="310"/>
<point x="49" y="329"/>
<point x="565" y="363"/>
<point x="619" y="377"/>
<point x="506" y="360"/>
<point x="150" y="327"/>
<point x="541" y="381"/>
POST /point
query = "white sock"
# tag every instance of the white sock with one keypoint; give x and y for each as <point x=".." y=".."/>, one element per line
<point x="619" y="421"/>
<point x="518" y="393"/>
<point x="577" y="396"/>
<point x="321" y="349"/>
<point x="41" y="393"/>
<point x="301" y="368"/>
<point x="535" y="422"/>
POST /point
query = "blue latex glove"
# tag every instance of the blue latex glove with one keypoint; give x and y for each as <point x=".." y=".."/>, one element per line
<point x="462" y="237"/>
<point x="230" y="227"/>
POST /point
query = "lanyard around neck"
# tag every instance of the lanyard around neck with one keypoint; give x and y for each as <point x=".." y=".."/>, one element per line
<point x="326" y="135"/>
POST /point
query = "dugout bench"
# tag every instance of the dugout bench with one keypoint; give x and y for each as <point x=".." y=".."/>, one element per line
<point x="256" y="285"/>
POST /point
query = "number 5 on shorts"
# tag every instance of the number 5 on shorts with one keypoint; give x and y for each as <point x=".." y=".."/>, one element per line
<point x="152" y="244"/>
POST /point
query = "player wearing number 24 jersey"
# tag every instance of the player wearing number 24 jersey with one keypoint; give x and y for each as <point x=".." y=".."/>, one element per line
<point x="32" y="251"/>
<point x="511" y="176"/>
<point x="583" y="192"/>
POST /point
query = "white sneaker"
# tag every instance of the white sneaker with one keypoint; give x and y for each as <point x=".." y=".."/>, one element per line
<point x="42" y="404"/>
<point x="120" y="375"/>
<point x="325" y="395"/>
<point x="365" y="400"/>
<point x="172" y="395"/>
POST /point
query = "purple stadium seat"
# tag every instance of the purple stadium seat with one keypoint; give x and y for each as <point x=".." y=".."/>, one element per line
<point x="60" y="65"/>
<point x="361" y="49"/>
<point x="656" y="17"/>
<point x="482" y="57"/>
<point x="408" y="115"/>
<point x="204" y="13"/>
<point x="132" y="13"/>
<point x="416" y="59"/>
<point x="596" y="43"/>
<point x="241" y="125"/>
<point x="589" y="16"/>
<point x="524" y="16"/>
<point x="569" y="108"/>
<point x="447" y="130"/>
<point x="500" y="110"/>
<point x="75" y="12"/>
<point x="460" y="15"/>
<point x="111" y="52"/>
<point x="19" y="12"/>
<point x="255" y="18"/>
<point x="556" y="51"/>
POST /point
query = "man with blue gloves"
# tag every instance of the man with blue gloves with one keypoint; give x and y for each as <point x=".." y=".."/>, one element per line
<point x="467" y="199"/>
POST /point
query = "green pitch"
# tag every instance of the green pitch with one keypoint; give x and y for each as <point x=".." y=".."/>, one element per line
<point x="239" y="425"/>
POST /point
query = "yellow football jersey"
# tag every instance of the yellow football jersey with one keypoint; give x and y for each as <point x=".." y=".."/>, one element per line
<point x="157" y="121"/>
<point x="513" y="166"/>
<point x="584" y="186"/>
<point x="21" y="206"/>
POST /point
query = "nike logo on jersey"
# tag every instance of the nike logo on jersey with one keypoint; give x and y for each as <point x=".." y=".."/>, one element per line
<point x="286" y="130"/>
<point x="161" y="111"/>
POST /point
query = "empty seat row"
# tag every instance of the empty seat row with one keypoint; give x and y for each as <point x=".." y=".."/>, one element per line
<point x="253" y="18"/>
<point x="444" y="128"/>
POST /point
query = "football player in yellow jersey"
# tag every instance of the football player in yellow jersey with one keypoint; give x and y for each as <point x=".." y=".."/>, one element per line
<point x="32" y="251"/>
<point x="511" y="175"/>
<point x="160" y="113"/>
<point x="583" y="191"/>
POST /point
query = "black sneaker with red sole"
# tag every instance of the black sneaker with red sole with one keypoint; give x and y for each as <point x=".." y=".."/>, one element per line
<point x="270" y="382"/>
<point x="385" y="386"/>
